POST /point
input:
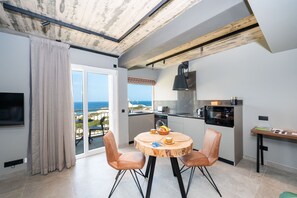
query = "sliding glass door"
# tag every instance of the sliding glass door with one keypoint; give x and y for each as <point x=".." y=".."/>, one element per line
<point x="77" y="87"/>
<point x="98" y="109"/>
<point x="92" y="92"/>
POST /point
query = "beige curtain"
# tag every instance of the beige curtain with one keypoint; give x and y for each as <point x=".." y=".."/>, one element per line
<point x="51" y="132"/>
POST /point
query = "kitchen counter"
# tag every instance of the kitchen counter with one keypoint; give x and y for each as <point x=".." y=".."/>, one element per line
<point x="140" y="113"/>
<point x="186" y="115"/>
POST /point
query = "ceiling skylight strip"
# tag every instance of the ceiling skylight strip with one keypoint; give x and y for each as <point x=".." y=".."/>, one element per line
<point x="74" y="27"/>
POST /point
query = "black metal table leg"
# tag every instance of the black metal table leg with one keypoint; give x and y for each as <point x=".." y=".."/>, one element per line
<point x="175" y="167"/>
<point x="174" y="174"/>
<point x="258" y="150"/>
<point x="261" y="148"/>
<point x="151" y="171"/>
<point x="148" y="166"/>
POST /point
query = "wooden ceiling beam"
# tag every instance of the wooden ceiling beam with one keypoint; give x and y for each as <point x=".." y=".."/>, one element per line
<point x="206" y="43"/>
<point x="237" y="40"/>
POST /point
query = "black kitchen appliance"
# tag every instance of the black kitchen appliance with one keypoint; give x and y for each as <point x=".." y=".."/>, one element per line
<point x="219" y="115"/>
<point x="161" y="117"/>
<point x="200" y="112"/>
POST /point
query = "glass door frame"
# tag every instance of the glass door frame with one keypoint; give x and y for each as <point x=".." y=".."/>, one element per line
<point x="112" y="103"/>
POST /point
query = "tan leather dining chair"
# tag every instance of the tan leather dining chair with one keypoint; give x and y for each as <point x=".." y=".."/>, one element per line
<point x="122" y="162"/>
<point x="207" y="156"/>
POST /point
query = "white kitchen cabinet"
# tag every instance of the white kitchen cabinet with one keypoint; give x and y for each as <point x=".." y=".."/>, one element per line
<point x="140" y="123"/>
<point x="231" y="147"/>
<point x="176" y="123"/>
<point x="227" y="141"/>
<point x="192" y="127"/>
<point x="195" y="129"/>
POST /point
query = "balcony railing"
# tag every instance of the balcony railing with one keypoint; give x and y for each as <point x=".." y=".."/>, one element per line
<point x="95" y="131"/>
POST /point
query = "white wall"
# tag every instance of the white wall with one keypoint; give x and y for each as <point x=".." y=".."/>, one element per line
<point x="144" y="73"/>
<point x="266" y="82"/>
<point x="14" y="77"/>
<point x="123" y="105"/>
<point x="86" y="58"/>
<point x="163" y="88"/>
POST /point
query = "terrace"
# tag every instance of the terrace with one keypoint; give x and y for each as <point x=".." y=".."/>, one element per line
<point x="96" y="130"/>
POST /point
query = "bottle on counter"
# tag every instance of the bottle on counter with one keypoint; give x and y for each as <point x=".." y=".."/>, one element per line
<point x="233" y="100"/>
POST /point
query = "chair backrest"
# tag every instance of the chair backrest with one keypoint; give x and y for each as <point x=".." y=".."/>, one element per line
<point x="101" y="123"/>
<point x="111" y="149"/>
<point x="102" y="120"/>
<point x="211" y="145"/>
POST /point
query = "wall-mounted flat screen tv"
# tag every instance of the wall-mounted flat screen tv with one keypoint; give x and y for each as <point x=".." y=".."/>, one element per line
<point x="11" y="109"/>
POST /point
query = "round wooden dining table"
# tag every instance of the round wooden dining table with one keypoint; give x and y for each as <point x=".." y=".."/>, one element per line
<point x="155" y="145"/>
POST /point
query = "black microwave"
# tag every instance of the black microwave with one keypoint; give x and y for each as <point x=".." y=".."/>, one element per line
<point x="219" y="115"/>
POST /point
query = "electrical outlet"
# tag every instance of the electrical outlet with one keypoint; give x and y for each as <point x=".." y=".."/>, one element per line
<point x="264" y="118"/>
<point x="13" y="163"/>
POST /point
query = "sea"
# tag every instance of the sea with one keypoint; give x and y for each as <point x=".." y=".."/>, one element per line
<point x="95" y="106"/>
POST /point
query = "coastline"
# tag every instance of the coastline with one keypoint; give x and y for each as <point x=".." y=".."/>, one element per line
<point x="94" y="106"/>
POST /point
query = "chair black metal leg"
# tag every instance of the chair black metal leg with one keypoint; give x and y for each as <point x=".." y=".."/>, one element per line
<point x="183" y="169"/>
<point x="190" y="179"/>
<point x="209" y="178"/>
<point x="135" y="178"/>
<point x="201" y="170"/>
<point x="78" y="141"/>
<point x="118" y="179"/>
<point x="90" y="137"/>
<point x="140" y="173"/>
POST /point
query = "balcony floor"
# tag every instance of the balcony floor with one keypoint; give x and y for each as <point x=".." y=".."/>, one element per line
<point x="97" y="142"/>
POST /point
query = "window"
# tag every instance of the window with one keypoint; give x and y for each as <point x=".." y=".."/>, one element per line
<point x="140" y="97"/>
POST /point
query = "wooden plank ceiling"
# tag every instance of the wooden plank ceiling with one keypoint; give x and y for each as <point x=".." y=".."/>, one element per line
<point x="112" y="18"/>
<point x="248" y="31"/>
<point x="115" y="18"/>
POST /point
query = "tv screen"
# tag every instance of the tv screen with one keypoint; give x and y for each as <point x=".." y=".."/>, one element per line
<point x="11" y="109"/>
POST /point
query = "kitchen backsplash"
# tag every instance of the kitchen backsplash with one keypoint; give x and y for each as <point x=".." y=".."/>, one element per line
<point x="187" y="100"/>
<point x="187" y="103"/>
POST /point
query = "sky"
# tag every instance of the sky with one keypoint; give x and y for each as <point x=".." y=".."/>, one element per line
<point x="139" y="92"/>
<point x="98" y="88"/>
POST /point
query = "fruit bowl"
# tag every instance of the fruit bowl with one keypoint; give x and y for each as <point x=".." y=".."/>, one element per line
<point x="163" y="130"/>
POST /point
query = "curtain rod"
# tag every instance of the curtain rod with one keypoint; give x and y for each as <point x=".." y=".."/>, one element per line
<point x="8" y="31"/>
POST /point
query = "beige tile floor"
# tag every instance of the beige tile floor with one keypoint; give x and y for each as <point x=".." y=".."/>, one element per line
<point x="92" y="177"/>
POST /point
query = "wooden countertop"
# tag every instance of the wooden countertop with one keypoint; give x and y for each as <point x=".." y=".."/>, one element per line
<point x="289" y="134"/>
